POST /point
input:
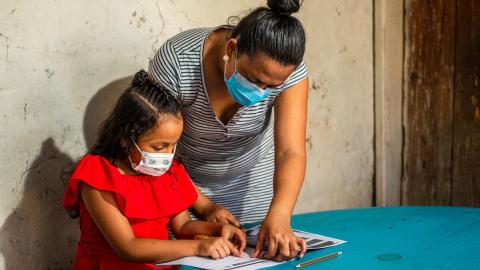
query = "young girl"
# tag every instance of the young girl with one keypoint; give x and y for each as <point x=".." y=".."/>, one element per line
<point x="128" y="189"/>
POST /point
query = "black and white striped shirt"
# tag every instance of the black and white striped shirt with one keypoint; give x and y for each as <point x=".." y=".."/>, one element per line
<point x="231" y="163"/>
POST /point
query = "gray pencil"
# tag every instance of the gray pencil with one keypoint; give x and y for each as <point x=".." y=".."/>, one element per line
<point x="319" y="259"/>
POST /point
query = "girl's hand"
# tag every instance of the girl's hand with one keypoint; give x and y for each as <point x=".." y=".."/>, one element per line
<point x="216" y="248"/>
<point x="234" y="235"/>
<point x="282" y="244"/>
<point x="217" y="213"/>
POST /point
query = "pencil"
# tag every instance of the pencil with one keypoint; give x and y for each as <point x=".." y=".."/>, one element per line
<point x="319" y="259"/>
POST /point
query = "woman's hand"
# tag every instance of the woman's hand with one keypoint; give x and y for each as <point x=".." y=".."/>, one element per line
<point x="217" y="213"/>
<point x="234" y="235"/>
<point x="281" y="242"/>
<point x="216" y="248"/>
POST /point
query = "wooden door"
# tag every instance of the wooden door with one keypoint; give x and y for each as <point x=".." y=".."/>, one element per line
<point x="442" y="103"/>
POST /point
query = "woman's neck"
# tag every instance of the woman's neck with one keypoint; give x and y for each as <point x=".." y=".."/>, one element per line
<point x="214" y="49"/>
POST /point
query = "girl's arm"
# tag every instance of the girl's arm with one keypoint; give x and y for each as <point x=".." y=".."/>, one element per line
<point x="290" y="161"/>
<point x="185" y="228"/>
<point x="117" y="231"/>
<point x="213" y="212"/>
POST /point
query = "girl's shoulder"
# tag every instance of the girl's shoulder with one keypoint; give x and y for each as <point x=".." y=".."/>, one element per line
<point x="97" y="172"/>
<point x="94" y="165"/>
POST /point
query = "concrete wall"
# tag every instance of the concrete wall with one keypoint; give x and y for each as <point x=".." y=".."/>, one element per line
<point x="63" y="62"/>
<point x="340" y="122"/>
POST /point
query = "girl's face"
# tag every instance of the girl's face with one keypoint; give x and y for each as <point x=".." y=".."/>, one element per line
<point x="162" y="138"/>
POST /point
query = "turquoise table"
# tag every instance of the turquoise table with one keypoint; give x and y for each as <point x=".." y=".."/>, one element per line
<point x="396" y="238"/>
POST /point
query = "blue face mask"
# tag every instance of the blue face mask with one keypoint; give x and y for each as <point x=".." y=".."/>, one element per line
<point x="242" y="90"/>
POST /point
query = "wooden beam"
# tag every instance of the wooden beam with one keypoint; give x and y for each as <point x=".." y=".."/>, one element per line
<point x="429" y="88"/>
<point x="388" y="100"/>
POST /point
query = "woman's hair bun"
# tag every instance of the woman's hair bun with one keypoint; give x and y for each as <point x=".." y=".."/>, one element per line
<point x="285" y="7"/>
<point x="141" y="78"/>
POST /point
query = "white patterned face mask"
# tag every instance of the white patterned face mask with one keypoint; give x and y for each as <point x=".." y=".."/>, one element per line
<point x="154" y="164"/>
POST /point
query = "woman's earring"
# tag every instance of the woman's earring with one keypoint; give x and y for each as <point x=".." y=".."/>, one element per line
<point x="226" y="58"/>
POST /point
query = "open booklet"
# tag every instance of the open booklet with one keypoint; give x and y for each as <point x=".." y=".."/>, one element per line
<point x="246" y="262"/>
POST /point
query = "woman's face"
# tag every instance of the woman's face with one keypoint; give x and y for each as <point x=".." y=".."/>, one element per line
<point x="261" y="69"/>
<point x="160" y="139"/>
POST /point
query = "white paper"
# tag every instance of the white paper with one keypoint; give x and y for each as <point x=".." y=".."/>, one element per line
<point x="314" y="241"/>
<point x="227" y="263"/>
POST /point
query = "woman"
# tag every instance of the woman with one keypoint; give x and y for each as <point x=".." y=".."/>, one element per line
<point x="228" y="79"/>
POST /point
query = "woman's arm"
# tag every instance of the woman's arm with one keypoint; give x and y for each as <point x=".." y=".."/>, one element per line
<point x="290" y="161"/>
<point x="117" y="231"/>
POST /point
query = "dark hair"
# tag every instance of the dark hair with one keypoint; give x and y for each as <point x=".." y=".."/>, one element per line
<point x="273" y="31"/>
<point x="137" y="110"/>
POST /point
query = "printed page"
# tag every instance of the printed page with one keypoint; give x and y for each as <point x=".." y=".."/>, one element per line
<point x="227" y="263"/>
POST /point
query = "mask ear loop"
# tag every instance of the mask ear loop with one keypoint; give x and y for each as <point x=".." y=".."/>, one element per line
<point x="226" y="58"/>
<point x="131" y="163"/>
<point x="128" y="154"/>
<point x="236" y="57"/>
<point x="138" y="148"/>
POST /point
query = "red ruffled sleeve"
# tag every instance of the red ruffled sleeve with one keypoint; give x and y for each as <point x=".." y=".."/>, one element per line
<point x="139" y="197"/>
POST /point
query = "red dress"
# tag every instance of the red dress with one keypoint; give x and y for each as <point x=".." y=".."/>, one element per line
<point x="148" y="202"/>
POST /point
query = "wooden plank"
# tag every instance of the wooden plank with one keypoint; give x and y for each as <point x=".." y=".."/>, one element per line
<point x="428" y="82"/>
<point x="466" y="122"/>
<point x="388" y="101"/>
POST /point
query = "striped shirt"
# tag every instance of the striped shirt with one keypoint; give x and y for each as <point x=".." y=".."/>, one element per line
<point x="231" y="163"/>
